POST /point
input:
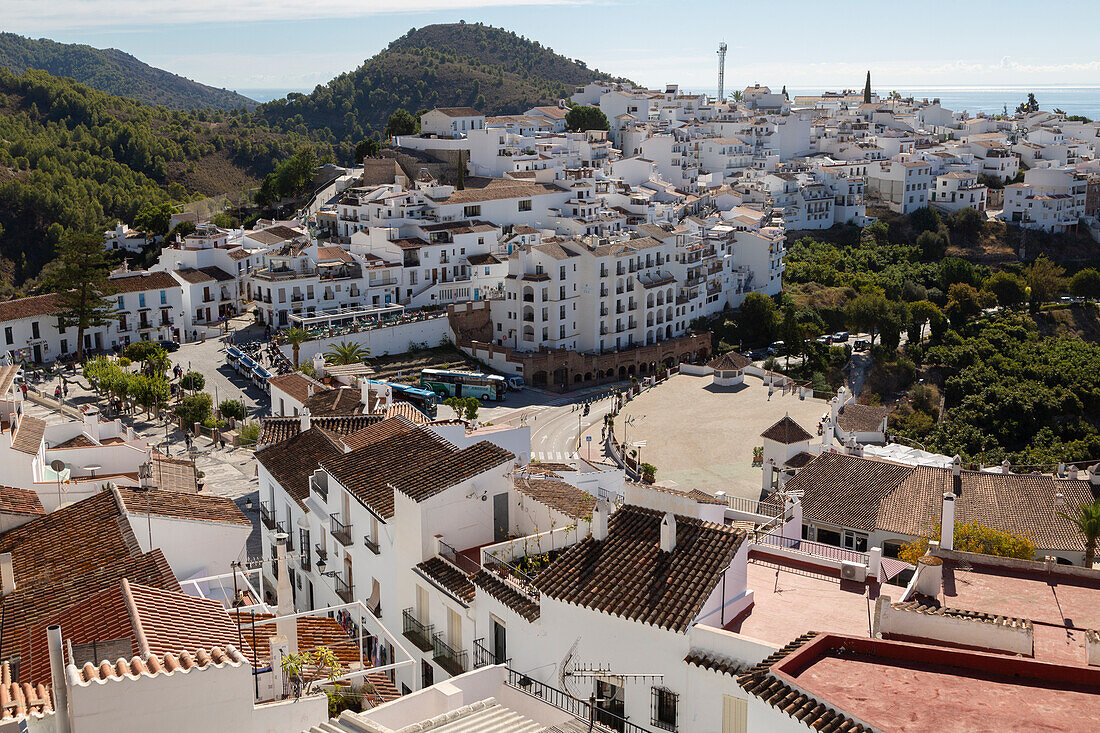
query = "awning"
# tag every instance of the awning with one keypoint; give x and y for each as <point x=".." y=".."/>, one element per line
<point x="892" y="567"/>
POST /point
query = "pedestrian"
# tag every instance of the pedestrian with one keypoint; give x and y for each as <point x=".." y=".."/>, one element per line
<point x="57" y="393"/>
<point x="65" y="388"/>
<point x="23" y="387"/>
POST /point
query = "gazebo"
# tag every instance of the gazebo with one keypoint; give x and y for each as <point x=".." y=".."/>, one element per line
<point x="729" y="369"/>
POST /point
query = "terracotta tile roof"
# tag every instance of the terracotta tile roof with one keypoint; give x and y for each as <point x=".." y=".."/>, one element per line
<point x="154" y="664"/>
<point x="293" y="461"/>
<point x="325" y="254"/>
<point x="313" y="632"/>
<point x="558" y="495"/>
<point x="628" y="574"/>
<point x="495" y="189"/>
<point x="28" y="437"/>
<point x="554" y="250"/>
<point x="141" y="282"/>
<point x="800" y="459"/>
<point x="506" y="594"/>
<point x="449" y="578"/>
<point x="418" y="463"/>
<point x="716" y="663"/>
<point x="20" y="501"/>
<point x="274" y="430"/>
<point x="78" y="441"/>
<point x="815" y="715"/>
<point x="458" y="111"/>
<point x="730" y="361"/>
<point x="37" y="305"/>
<point x="340" y="401"/>
<point x="846" y="491"/>
<point x="195" y="507"/>
<point x="297" y="385"/>
<point x="478" y="260"/>
<point x="22" y="699"/>
<point x="174" y="474"/>
<point x="855" y="418"/>
<point x="152" y="620"/>
<point x="928" y="609"/>
<point x="238" y="254"/>
<point x="786" y="431"/>
<point x="388" y="428"/>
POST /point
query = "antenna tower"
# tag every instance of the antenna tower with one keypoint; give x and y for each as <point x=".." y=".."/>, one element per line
<point x="721" y="70"/>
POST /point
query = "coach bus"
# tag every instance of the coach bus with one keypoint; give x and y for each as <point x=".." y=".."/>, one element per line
<point x="464" y="384"/>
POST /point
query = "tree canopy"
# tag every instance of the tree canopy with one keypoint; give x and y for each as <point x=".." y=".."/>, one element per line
<point x="582" y="118"/>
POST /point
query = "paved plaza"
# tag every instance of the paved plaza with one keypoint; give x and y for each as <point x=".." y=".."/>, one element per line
<point x="702" y="436"/>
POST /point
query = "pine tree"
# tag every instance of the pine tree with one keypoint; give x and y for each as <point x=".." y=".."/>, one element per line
<point x="80" y="278"/>
<point x="867" y="89"/>
<point x="785" y="92"/>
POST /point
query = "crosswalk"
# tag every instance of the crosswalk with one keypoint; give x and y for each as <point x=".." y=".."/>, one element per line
<point x="546" y="456"/>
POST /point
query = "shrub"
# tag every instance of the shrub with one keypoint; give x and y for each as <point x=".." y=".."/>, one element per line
<point x="234" y="409"/>
<point x="193" y="382"/>
<point x="196" y="408"/>
<point x="249" y="433"/>
<point x="974" y="537"/>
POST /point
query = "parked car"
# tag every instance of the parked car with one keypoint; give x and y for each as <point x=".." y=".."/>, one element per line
<point x="861" y="345"/>
<point x="826" y="339"/>
<point x="840" y="337"/>
<point x="169" y="346"/>
<point x="776" y="348"/>
<point x="757" y="354"/>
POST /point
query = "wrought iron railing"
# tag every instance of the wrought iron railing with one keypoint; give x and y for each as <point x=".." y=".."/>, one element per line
<point x="372" y="545"/>
<point x="513" y="576"/>
<point x="817" y="549"/>
<point x="455" y="662"/>
<point x="484" y="656"/>
<point x="340" y="532"/>
<point x="456" y="558"/>
<point x="343" y="589"/>
<point x="267" y="516"/>
<point x="418" y="633"/>
<point x="577" y="708"/>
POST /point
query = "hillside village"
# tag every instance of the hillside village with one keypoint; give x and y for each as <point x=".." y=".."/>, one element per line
<point x="356" y="552"/>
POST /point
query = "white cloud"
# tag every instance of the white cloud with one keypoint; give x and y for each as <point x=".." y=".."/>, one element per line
<point x="35" y="15"/>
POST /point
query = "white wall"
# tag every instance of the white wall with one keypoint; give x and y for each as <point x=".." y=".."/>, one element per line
<point x="381" y="341"/>
<point x="954" y="630"/>
<point x="191" y="547"/>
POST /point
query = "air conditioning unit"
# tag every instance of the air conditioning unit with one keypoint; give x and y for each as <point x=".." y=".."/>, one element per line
<point x="853" y="571"/>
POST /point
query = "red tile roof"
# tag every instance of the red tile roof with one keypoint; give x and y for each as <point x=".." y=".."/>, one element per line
<point x="297" y="385"/>
<point x="786" y="431"/>
<point x="141" y="282"/>
<point x="20" y="501"/>
<point x="506" y="594"/>
<point x="628" y="574"/>
<point x="162" y="664"/>
<point x="728" y="362"/>
<point x="274" y="430"/>
<point x="340" y="401"/>
<point x="313" y="632"/>
<point x="22" y="699"/>
<point x="195" y="507"/>
<point x="28" y="437"/>
<point x="856" y="418"/>
<point x="388" y="428"/>
<point x="449" y="578"/>
<point x="558" y="495"/>
<point x="293" y="461"/>
<point x="37" y="305"/>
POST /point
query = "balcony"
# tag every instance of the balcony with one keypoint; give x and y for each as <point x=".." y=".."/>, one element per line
<point x="280" y="528"/>
<point x="322" y="552"/>
<point x="450" y="659"/>
<point x="372" y="545"/>
<point x="484" y="657"/>
<point x="267" y="516"/>
<point x="340" y="532"/>
<point x="416" y="632"/>
<point x="342" y="588"/>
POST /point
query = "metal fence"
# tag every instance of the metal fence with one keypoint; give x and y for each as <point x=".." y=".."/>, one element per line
<point x="808" y="547"/>
<point x="577" y="708"/>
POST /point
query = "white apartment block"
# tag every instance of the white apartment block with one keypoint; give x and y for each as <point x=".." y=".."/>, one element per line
<point x="954" y="191"/>
<point x="1051" y="199"/>
<point x="902" y="186"/>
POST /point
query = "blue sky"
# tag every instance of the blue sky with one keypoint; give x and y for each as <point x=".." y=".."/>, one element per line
<point x="243" y="44"/>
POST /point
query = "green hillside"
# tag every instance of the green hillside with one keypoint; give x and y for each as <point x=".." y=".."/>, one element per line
<point x="448" y="65"/>
<point x="74" y="158"/>
<point x="114" y="72"/>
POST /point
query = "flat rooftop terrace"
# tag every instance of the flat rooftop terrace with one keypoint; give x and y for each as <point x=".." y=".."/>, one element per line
<point x="790" y="599"/>
<point x="913" y="688"/>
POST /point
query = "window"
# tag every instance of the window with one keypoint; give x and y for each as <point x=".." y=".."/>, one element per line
<point x="471" y="211"/>
<point x="34" y="330"/>
<point x="121" y="303"/>
<point x="163" y="297"/>
<point x="8" y="336"/>
<point x="141" y="300"/>
<point x="64" y="346"/>
<point x="525" y="205"/>
<point x="735" y="714"/>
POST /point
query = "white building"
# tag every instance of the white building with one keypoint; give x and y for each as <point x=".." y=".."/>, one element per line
<point x="954" y="191"/>
<point x="901" y="186"/>
<point x="1051" y="199"/>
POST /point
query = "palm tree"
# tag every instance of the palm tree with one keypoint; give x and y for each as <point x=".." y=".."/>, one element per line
<point x="296" y="337"/>
<point x="1087" y="519"/>
<point x="346" y="353"/>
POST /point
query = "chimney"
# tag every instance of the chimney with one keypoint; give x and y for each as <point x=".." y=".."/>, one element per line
<point x="947" y="521"/>
<point x="1071" y="473"/>
<point x="1061" y="470"/>
<point x="304" y="417"/>
<point x="1094" y="476"/>
<point x="956" y="466"/>
<point x="287" y="627"/>
<point x="1006" y="467"/>
<point x="7" y="575"/>
<point x="599" y="521"/>
<point x="57" y="677"/>
<point x="319" y="365"/>
<point x="668" y="532"/>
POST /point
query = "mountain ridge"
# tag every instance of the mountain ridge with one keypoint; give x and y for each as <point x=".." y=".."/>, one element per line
<point x="115" y="72"/>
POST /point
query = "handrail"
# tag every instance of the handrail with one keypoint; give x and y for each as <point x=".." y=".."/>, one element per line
<point x="809" y="547"/>
<point x="579" y="709"/>
<point x="512" y="575"/>
<point x="456" y="558"/>
<point x="454" y="661"/>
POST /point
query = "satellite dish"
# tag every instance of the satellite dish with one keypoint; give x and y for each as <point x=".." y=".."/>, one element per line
<point x="57" y="465"/>
<point x="565" y="669"/>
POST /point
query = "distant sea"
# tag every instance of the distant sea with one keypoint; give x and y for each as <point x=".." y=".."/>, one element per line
<point x="990" y="99"/>
<point x="1082" y="100"/>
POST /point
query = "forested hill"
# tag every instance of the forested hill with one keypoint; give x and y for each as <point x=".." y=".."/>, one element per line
<point x="114" y="72"/>
<point x="447" y="65"/>
<point x="74" y="158"/>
